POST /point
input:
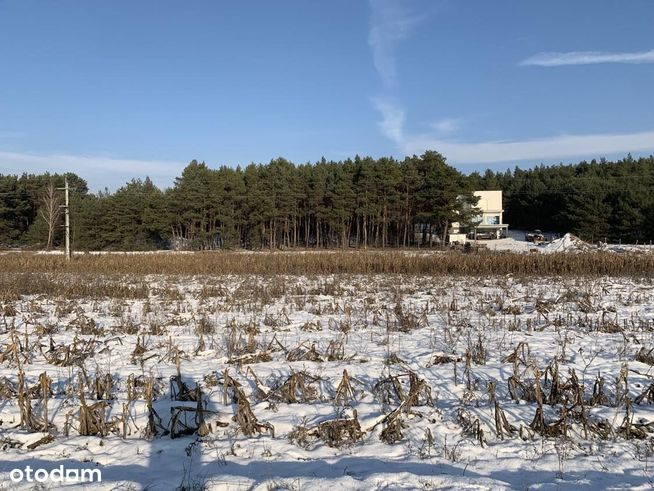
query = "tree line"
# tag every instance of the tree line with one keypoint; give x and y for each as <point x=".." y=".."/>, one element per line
<point x="360" y="202"/>
<point x="596" y="200"/>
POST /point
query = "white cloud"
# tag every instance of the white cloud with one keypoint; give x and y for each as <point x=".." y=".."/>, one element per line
<point x="99" y="171"/>
<point x="540" y="149"/>
<point x="531" y="150"/>
<point x="392" y="122"/>
<point x="447" y="125"/>
<point x="587" y="58"/>
<point x="389" y="24"/>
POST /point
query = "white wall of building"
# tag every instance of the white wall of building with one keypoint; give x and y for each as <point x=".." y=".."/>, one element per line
<point x="489" y="201"/>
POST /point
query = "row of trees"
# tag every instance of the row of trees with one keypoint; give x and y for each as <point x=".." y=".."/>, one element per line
<point x="596" y="200"/>
<point x="30" y="208"/>
<point x="357" y="202"/>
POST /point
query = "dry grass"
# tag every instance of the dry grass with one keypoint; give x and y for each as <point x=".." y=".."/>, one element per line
<point x="70" y="284"/>
<point x="332" y="262"/>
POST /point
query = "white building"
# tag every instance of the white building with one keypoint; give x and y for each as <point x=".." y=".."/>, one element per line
<point x="489" y="224"/>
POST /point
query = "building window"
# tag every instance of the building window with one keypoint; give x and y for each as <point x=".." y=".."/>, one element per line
<point x="492" y="220"/>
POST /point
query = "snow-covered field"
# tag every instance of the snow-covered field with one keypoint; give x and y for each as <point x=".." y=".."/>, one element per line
<point x="567" y="243"/>
<point x="357" y="382"/>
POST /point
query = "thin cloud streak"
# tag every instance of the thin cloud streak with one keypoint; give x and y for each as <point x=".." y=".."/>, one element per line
<point x="532" y="150"/>
<point x="392" y="122"/>
<point x="390" y="23"/>
<point x="100" y="171"/>
<point x="449" y="125"/>
<point x="540" y="149"/>
<point x="587" y="58"/>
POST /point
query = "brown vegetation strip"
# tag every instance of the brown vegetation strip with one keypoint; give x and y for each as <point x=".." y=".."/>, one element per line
<point x="337" y="262"/>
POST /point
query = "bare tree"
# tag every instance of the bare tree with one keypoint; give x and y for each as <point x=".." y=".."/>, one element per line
<point x="50" y="210"/>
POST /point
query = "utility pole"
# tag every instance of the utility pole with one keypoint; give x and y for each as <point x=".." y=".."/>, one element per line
<point x="67" y="222"/>
<point x="67" y="219"/>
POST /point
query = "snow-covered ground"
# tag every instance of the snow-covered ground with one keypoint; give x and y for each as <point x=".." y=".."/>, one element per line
<point x="567" y="243"/>
<point x="426" y="359"/>
<point x="513" y="243"/>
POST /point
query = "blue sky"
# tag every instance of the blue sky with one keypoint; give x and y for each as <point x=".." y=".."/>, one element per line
<point x="120" y="89"/>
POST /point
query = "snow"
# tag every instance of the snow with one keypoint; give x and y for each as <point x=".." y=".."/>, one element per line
<point x="414" y="318"/>
<point x="514" y="243"/>
<point x="567" y="243"/>
<point x="509" y="245"/>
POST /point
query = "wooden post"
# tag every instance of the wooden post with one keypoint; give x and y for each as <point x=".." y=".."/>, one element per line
<point x="65" y="206"/>
<point x="67" y="220"/>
